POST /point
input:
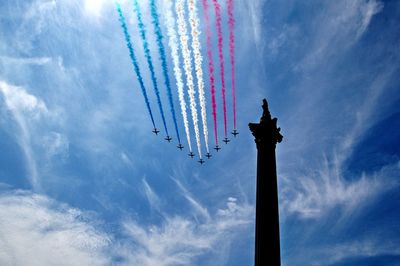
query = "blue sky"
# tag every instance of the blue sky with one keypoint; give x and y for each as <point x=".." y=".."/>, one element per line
<point x="83" y="181"/>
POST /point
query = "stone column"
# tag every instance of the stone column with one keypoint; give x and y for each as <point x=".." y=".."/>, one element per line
<point x="267" y="242"/>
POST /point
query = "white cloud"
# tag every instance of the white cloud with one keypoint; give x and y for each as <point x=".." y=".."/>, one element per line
<point x="321" y="191"/>
<point x="32" y="117"/>
<point x="96" y="8"/>
<point x="367" y="11"/>
<point x="179" y="241"/>
<point x="329" y="185"/>
<point x="41" y="231"/>
<point x="364" y="248"/>
<point x="26" y="61"/>
<point x="366" y="114"/>
<point x="34" y="20"/>
<point x="340" y="25"/>
<point x="18" y="100"/>
<point x="126" y="159"/>
<point x="24" y="108"/>
<point x="35" y="230"/>
<point x="197" y="206"/>
<point x="254" y="11"/>
<point x="55" y="144"/>
<point x="151" y="196"/>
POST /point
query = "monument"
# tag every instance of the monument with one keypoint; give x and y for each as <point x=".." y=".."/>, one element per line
<point x="267" y="241"/>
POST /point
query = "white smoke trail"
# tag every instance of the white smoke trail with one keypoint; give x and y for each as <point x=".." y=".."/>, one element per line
<point x="198" y="60"/>
<point x="173" y="44"/>
<point x="188" y="67"/>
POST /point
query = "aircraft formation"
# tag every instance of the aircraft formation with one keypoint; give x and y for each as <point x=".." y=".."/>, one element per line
<point x="191" y="154"/>
<point x="183" y="40"/>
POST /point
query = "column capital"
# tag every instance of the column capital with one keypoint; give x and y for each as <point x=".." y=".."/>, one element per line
<point x="266" y="133"/>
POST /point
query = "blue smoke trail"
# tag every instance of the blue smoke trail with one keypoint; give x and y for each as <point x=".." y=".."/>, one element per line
<point x="163" y="59"/>
<point x="134" y="60"/>
<point x="149" y="60"/>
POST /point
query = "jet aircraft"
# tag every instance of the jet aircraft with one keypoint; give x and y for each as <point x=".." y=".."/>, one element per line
<point x="201" y="161"/>
<point x="235" y="133"/>
<point x="208" y="155"/>
<point x="180" y="146"/>
<point x="217" y="148"/>
<point x="226" y="140"/>
<point x="155" y="131"/>
<point x="191" y="155"/>
<point x="168" y="138"/>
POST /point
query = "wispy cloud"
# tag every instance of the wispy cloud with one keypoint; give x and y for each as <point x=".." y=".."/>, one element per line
<point x="180" y="241"/>
<point x="255" y="9"/>
<point x="363" y="248"/>
<point x="34" y="20"/>
<point x="328" y="185"/>
<point x="340" y="25"/>
<point x="26" y="60"/>
<point x="197" y="206"/>
<point x="29" y="112"/>
<point x="42" y="231"/>
<point x="151" y="196"/>
<point x="329" y="188"/>
<point x="316" y="185"/>
<point x="20" y="103"/>
<point x="39" y="231"/>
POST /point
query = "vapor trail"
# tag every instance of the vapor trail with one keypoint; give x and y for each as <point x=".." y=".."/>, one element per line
<point x="173" y="44"/>
<point x="231" y="22"/>
<point x="161" y="50"/>
<point x="198" y="59"/>
<point x="211" y="67"/>
<point x="188" y="67"/>
<point x="217" y="8"/>
<point x="134" y="60"/>
<point x="149" y="60"/>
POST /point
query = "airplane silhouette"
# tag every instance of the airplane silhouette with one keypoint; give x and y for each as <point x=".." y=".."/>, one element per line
<point x="217" y="148"/>
<point x="191" y="155"/>
<point x="155" y="131"/>
<point x="234" y="133"/>
<point x="226" y="140"/>
<point x="180" y="146"/>
<point x="201" y="161"/>
<point x="208" y="155"/>
<point x="168" y="138"/>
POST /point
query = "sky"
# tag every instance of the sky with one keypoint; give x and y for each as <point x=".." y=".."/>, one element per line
<point x="84" y="181"/>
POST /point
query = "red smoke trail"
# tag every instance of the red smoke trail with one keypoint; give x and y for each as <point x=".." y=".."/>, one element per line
<point x="211" y="67"/>
<point x="221" y="58"/>
<point x="231" y="22"/>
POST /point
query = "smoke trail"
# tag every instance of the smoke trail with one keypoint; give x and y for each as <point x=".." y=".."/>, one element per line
<point x="134" y="60"/>
<point x="221" y="59"/>
<point x="173" y="44"/>
<point x="149" y="60"/>
<point x="231" y="22"/>
<point x="188" y="68"/>
<point x="211" y="67"/>
<point x="163" y="59"/>
<point x="198" y="59"/>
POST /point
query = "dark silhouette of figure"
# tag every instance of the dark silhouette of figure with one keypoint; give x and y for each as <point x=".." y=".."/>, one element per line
<point x="267" y="242"/>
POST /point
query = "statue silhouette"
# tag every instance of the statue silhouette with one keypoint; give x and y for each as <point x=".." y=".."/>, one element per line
<point x="267" y="241"/>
